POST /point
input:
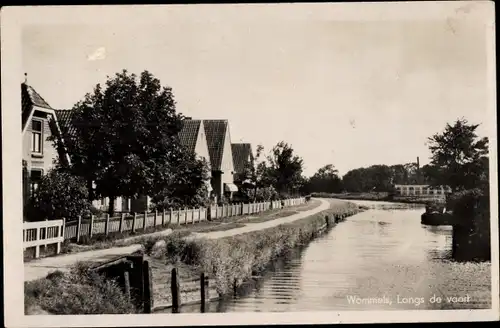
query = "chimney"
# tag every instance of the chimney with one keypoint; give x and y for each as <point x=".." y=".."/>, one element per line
<point x="418" y="171"/>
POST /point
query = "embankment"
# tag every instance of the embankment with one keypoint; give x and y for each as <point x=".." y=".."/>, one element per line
<point x="230" y="261"/>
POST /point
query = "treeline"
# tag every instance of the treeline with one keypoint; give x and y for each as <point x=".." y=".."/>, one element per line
<point x="459" y="160"/>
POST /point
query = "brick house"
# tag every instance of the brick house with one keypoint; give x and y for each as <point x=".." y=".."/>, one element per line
<point x="221" y="158"/>
<point x="39" y="122"/>
<point x="242" y="156"/>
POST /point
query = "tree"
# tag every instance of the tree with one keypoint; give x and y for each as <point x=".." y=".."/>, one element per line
<point x="125" y="139"/>
<point x="59" y="195"/>
<point x="326" y="179"/>
<point x="459" y="157"/>
<point x="251" y="177"/>
<point x="283" y="169"/>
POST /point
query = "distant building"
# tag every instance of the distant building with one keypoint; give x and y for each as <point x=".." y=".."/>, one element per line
<point x="221" y="158"/>
<point x="421" y="190"/>
<point x="242" y="157"/>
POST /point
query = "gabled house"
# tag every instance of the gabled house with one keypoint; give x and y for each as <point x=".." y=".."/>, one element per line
<point x="193" y="138"/>
<point x="242" y="158"/>
<point x="39" y="122"/>
<point x="221" y="158"/>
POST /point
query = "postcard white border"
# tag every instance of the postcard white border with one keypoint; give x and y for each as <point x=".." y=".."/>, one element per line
<point x="14" y="18"/>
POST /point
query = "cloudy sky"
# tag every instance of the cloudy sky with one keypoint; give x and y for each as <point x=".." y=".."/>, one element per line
<point x="348" y="92"/>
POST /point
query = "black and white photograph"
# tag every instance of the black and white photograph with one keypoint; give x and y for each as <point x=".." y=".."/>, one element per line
<point x="249" y="164"/>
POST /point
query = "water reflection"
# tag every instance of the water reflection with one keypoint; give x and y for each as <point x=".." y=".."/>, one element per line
<point x="378" y="259"/>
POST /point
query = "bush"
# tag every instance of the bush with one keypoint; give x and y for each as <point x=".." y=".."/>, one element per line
<point x="468" y="204"/>
<point x="263" y="194"/>
<point x="76" y="292"/>
<point x="59" y="195"/>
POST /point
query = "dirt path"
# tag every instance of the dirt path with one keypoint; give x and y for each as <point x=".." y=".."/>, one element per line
<point x="249" y="227"/>
<point x="40" y="268"/>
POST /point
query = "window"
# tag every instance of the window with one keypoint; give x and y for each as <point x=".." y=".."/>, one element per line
<point x="36" y="141"/>
<point x="35" y="177"/>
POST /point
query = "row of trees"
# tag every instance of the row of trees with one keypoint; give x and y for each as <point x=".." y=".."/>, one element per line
<point x="459" y="160"/>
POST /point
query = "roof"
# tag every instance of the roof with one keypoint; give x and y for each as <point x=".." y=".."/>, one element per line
<point x="216" y="135"/>
<point x="30" y="98"/>
<point x="242" y="153"/>
<point x="64" y="119"/>
<point x="189" y="133"/>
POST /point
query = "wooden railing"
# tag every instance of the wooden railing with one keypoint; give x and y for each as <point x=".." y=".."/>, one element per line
<point x="43" y="233"/>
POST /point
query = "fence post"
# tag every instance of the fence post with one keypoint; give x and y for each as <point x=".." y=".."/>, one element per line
<point x="199" y="214"/>
<point x="133" y="222"/>
<point x="63" y="229"/>
<point x="170" y="217"/>
<point x="192" y="215"/>
<point x="91" y="226"/>
<point x="203" y="292"/>
<point x="145" y="219"/>
<point x="163" y="217"/>
<point x="156" y="217"/>
<point x="223" y="211"/>
<point x="106" y="225"/>
<point x="126" y="283"/>
<point x="148" y="288"/>
<point x="78" y="228"/>
<point x="37" y="247"/>
<point x="174" y="287"/>
<point x="122" y="221"/>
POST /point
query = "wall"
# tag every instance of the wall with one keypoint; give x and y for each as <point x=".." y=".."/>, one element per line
<point x="49" y="152"/>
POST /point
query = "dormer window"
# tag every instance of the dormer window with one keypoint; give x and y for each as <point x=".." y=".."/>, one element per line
<point x="36" y="138"/>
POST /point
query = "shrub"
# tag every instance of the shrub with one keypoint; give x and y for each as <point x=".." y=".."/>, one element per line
<point x="76" y="292"/>
<point x="263" y="194"/>
<point x="59" y="195"/>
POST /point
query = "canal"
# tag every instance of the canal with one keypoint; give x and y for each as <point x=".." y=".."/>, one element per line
<point x="380" y="259"/>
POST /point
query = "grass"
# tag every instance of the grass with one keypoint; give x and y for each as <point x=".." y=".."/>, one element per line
<point x="76" y="292"/>
<point x="230" y="261"/>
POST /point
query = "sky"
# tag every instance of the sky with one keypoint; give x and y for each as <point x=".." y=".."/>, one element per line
<point x="351" y="93"/>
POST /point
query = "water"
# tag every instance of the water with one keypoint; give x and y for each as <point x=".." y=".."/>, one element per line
<point x="380" y="259"/>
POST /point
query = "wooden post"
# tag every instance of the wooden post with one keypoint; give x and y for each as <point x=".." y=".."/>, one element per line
<point x="170" y="217"/>
<point x="134" y="222"/>
<point x="122" y="222"/>
<point x="145" y="219"/>
<point x="78" y="228"/>
<point x="203" y="292"/>
<point x="163" y="218"/>
<point x="174" y="287"/>
<point x="148" y="288"/>
<point x="126" y="283"/>
<point x="156" y="217"/>
<point x="37" y="247"/>
<point x="91" y="226"/>
<point x="199" y="214"/>
<point x="106" y="225"/>
<point x="192" y="215"/>
<point x="63" y="229"/>
<point x="223" y="212"/>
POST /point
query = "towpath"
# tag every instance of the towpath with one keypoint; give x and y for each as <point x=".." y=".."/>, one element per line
<point x="40" y="268"/>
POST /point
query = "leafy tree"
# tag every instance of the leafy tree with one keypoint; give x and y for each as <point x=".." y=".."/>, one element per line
<point x="326" y="179"/>
<point x="59" y="195"/>
<point x="263" y="194"/>
<point x="459" y="157"/>
<point x="283" y="169"/>
<point x="125" y="139"/>
<point x="251" y="177"/>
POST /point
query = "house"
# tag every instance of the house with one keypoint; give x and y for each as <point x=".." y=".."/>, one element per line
<point x="122" y="204"/>
<point x="221" y="158"/>
<point x="421" y="191"/>
<point x="242" y="157"/>
<point x="39" y="122"/>
<point x="192" y="137"/>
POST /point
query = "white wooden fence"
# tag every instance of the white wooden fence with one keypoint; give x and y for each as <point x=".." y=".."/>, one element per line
<point x="56" y="231"/>
<point x="43" y="233"/>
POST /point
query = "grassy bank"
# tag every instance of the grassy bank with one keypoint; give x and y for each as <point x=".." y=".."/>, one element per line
<point x="232" y="260"/>
<point x="75" y="292"/>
